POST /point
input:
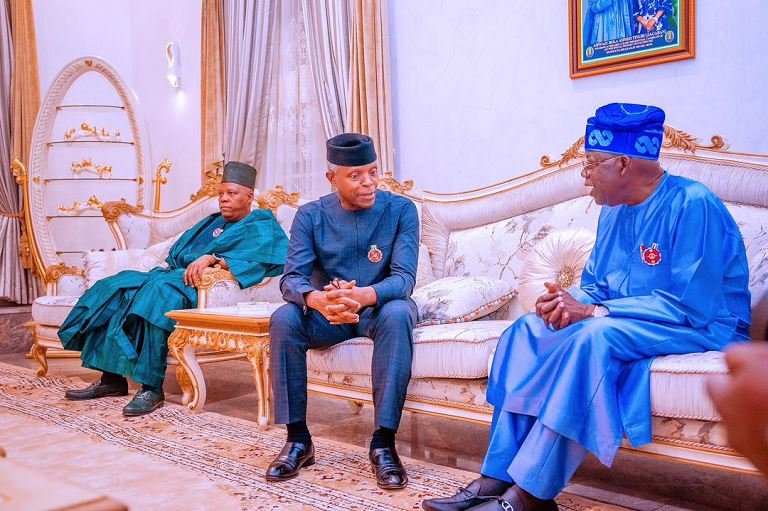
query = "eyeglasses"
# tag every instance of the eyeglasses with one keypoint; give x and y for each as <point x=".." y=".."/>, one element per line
<point x="587" y="167"/>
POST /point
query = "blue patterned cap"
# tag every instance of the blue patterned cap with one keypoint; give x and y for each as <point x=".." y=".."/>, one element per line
<point x="624" y="128"/>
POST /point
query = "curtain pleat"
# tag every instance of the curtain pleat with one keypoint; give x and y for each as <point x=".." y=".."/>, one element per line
<point x="326" y="24"/>
<point x="250" y="52"/>
<point x="19" y="103"/>
<point x="370" y="103"/>
<point x="212" y="94"/>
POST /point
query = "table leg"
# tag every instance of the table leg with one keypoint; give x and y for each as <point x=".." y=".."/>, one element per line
<point x="258" y="356"/>
<point x="191" y="378"/>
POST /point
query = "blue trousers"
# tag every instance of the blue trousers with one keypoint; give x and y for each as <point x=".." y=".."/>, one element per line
<point x="524" y="451"/>
<point x="292" y="333"/>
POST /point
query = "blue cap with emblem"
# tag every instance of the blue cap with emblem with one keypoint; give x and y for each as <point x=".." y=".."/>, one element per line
<point x="625" y="128"/>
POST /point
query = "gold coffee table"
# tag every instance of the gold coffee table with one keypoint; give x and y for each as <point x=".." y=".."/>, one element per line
<point x="227" y="330"/>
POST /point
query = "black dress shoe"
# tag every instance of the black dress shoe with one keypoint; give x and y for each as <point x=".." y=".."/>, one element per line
<point x="145" y="401"/>
<point x="461" y="501"/>
<point x="390" y="473"/>
<point x="511" y="501"/>
<point x="97" y="389"/>
<point x="287" y="464"/>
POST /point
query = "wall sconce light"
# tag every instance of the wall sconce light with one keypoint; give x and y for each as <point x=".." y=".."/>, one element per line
<point x="174" y="64"/>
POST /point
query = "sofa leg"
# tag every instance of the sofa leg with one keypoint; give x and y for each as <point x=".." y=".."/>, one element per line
<point x="38" y="354"/>
<point x="355" y="406"/>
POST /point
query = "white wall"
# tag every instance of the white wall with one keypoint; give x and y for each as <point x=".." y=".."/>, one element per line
<point x="132" y="36"/>
<point x="481" y="89"/>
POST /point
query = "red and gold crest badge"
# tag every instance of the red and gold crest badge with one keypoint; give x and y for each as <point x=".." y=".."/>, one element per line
<point x="374" y="254"/>
<point x="651" y="256"/>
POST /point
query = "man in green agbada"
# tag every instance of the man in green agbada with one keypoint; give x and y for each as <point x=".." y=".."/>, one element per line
<point x="119" y="324"/>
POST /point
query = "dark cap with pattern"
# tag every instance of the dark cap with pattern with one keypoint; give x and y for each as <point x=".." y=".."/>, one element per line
<point x="239" y="173"/>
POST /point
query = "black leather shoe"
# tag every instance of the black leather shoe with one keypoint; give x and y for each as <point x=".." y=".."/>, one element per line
<point x="97" y="389"/>
<point x="144" y="402"/>
<point x="287" y="464"/>
<point x="390" y="473"/>
<point x="511" y="501"/>
<point x="461" y="501"/>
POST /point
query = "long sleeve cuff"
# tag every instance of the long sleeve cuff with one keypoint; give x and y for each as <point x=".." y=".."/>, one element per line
<point x="388" y="290"/>
<point x="297" y="293"/>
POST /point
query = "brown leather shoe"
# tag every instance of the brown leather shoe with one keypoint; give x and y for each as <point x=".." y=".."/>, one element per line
<point x="97" y="389"/>
<point x="290" y="460"/>
<point x="390" y="473"/>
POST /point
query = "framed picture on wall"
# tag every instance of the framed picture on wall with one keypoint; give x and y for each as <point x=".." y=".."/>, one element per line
<point x="612" y="35"/>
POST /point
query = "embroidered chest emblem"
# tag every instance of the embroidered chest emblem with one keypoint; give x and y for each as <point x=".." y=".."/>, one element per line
<point x="374" y="254"/>
<point x="651" y="256"/>
<point x="217" y="232"/>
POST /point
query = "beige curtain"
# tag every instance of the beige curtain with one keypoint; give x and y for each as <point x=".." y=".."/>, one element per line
<point x="294" y="155"/>
<point x="273" y="118"/>
<point x="249" y="27"/>
<point x="370" y="105"/>
<point x="18" y="70"/>
<point x="25" y="82"/>
<point x="327" y="24"/>
<point x="212" y="96"/>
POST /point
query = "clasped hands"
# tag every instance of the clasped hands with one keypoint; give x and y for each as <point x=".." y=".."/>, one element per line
<point x="559" y="309"/>
<point x="340" y="301"/>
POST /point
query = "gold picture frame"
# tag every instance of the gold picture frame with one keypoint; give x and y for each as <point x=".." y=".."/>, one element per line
<point x="613" y="35"/>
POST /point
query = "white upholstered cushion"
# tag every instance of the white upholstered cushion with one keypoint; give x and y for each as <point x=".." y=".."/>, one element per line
<point x="460" y="299"/>
<point x="678" y="385"/>
<point x="560" y="258"/>
<point x="458" y="350"/>
<point x="52" y="310"/>
<point x="424" y="273"/>
<point x="102" y="264"/>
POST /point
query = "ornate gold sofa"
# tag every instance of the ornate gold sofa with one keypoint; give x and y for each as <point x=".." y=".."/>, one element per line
<point x="491" y="232"/>
<point x="143" y="239"/>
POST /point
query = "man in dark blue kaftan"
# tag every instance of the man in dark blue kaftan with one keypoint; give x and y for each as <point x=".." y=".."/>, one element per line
<point x="350" y="271"/>
<point x="668" y="275"/>
<point x="119" y="324"/>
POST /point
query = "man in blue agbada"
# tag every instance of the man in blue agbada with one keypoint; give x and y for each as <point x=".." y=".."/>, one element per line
<point x="350" y="271"/>
<point x="668" y="275"/>
<point x="119" y="324"/>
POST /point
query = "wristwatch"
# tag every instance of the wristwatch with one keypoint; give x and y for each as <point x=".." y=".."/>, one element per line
<point x="600" y="311"/>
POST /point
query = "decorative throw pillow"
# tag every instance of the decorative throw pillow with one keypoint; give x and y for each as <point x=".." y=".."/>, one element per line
<point x="424" y="274"/>
<point x="559" y="258"/>
<point x="460" y="299"/>
<point x="102" y="264"/>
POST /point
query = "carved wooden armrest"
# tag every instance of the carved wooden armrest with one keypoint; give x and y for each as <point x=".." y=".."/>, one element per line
<point x="55" y="272"/>
<point x="211" y="276"/>
<point x="216" y="274"/>
<point x="111" y="212"/>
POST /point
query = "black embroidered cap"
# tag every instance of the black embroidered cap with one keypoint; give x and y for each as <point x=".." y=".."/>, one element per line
<point x="351" y="150"/>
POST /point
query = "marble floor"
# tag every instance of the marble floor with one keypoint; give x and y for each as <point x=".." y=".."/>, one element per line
<point x="635" y="482"/>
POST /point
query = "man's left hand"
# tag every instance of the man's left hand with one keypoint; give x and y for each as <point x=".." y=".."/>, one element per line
<point x="193" y="275"/>
<point x="558" y="308"/>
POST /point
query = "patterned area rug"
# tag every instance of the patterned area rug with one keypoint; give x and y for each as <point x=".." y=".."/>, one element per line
<point x="172" y="459"/>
